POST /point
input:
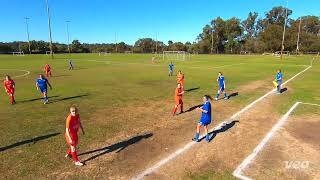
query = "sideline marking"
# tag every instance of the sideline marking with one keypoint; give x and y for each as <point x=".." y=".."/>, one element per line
<point x="190" y="144"/>
<point x="25" y="74"/>
<point x="237" y="172"/>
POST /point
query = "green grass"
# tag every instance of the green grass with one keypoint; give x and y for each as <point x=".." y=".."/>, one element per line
<point x="116" y="81"/>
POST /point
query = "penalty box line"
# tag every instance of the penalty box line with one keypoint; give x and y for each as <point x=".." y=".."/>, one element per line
<point x="219" y="126"/>
<point x="249" y="159"/>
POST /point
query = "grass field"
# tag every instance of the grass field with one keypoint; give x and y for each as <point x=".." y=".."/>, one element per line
<point x="123" y="97"/>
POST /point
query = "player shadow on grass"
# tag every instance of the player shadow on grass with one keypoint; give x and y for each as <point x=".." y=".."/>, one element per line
<point x="118" y="147"/>
<point x="67" y="98"/>
<point x="29" y="141"/>
<point x="283" y="90"/>
<point x="193" y="108"/>
<point x="35" y="99"/>
<point x="192" y="89"/>
<point x="223" y="128"/>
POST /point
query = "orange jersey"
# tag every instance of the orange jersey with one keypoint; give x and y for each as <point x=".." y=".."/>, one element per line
<point x="73" y="124"/>
<point x="180" y="78"/>
<point x="178" y="95"/>
<point x="8" y="84"/>
<point x="47" y="68"/>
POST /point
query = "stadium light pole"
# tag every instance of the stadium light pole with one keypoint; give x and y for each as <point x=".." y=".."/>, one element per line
<point x="298" y="39"/>
<point x="284" y="31"/>
<point x="68" y="37"/>
<point x="211" y="41"/>
<point x="27" y="28"/>
<point x="49" y="27"/>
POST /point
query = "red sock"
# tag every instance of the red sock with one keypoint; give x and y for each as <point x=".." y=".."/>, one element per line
<point x="69" y="151"/>
<point x="174" y="110"/>
<point x="12" y="99"/>
<point x="74" y="156"/>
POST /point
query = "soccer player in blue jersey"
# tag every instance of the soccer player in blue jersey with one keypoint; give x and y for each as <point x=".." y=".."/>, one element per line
<point x="278" y="79"/>
<point x="71" y="67"/>
<point x="205" y="118"/>
<point x="170" y="69"/>
<point x="42" y="85"/>
<point x="222" y="86"/>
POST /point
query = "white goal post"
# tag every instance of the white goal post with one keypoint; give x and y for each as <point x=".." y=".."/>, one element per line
<point x="19" y="53"/>
<point x="175" y="55"/>
<point x="104" y="53"/>
<point x="49" y="52"/>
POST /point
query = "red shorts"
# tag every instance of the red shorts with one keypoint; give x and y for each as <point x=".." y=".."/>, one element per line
<point x="178" y="101"/>
<point x="74" y="138"/>
<point x="10" y="91"/>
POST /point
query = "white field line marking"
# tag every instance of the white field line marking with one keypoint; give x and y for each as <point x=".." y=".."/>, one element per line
<point x="190" y="144"/>
<point x="248" y="160"/>
<point x="21" y="70"/>
<point x="237" y="172"/>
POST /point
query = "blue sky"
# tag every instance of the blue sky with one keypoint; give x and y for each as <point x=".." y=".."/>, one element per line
<point x="97" y="21"/>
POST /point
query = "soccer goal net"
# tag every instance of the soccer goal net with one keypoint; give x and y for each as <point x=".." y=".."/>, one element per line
<point x="104" y="53"/>
<point x="245" y="52"/>
<point x="175" y="55"/>
<point x="278" y="53"/>
<point x="19" y="53"/>
<point x="128" y="52"/>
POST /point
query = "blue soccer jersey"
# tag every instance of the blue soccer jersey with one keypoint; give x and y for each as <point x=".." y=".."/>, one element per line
<point x="221" y="80"/>
<point x="42" y="83"/>
<point x="206" y="117"/>
<point x="279" y="77"/>
<point x="170" y="67"/>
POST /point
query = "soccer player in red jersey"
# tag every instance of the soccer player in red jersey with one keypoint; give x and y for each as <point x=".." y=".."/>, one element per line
<point x="178" y="99"/>
<point x="47" y="70"/>
<point x="9" y="87"/>
<point x="72" y="127"/>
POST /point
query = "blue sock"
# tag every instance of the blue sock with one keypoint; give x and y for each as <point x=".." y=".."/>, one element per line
<point x="218" y="95"/>
<point x="197" y="136"/>
<point x="207" y="137"/>
<point x="225" y="94"/>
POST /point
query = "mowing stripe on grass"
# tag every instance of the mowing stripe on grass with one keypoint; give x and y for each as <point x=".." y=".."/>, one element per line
<point x="190" y="144"/>
<point x="237" y="172"/>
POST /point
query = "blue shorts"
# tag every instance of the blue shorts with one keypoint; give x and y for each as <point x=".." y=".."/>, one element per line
<point x="221" y="88"/>
<point x="204" y="122"/>
<point x="43" y="90"/>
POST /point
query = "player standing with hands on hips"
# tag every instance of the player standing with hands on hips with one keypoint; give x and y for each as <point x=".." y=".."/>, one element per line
<point x="222" y="86"/>
<point x="72" y="127"/>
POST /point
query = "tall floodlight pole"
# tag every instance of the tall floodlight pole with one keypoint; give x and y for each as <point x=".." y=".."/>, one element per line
<point x="284" y="31"/>
<point x="49" y="27"/>
<point x="298" y="39"/>
<point x="68" y="36"/>
<point x="27" y="28"/>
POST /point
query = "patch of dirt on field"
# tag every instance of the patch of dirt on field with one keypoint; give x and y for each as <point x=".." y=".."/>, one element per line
<point x="293" y="153"/>
<point x="255" y="85"/>
<point x="227" y="150"/>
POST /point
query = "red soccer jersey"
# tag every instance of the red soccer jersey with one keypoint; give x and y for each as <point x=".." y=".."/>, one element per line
<point x="8" y="84"/>
<point x="47" y="67"/>
<point x="73" y="124"/>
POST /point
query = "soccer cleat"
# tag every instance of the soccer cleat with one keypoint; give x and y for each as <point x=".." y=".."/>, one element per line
<point x="226" y="98"/>
<point x="78" y="163"/>
<point x="195" y="139"/>
<point x="216" y="99"/>
<point x="68" y="156"/>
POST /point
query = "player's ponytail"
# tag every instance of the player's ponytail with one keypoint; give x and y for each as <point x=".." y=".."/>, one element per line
<point x="208" y="97"/>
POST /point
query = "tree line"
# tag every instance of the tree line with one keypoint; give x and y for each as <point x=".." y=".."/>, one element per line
<point x="253" y="34"/>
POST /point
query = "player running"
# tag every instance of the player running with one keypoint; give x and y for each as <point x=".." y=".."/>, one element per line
<point x="9" y="87"/>
<point x="178" y="99"/>
<point x="180" y="79"/>
<point x="72" y="127"/>
<point x="47" y="70"/>
<point x="278" y="80"/>
<point x="71" y="67"/>
<point x="205" y="118"/>
<point x="42" y="85"/>
<point x="170" y="69"/>
<point x="222" y="86"/>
